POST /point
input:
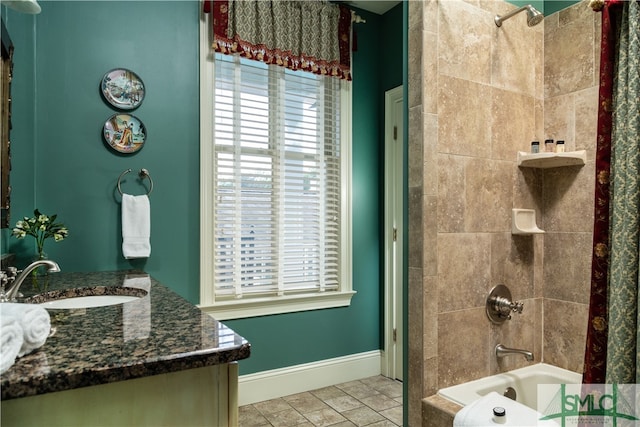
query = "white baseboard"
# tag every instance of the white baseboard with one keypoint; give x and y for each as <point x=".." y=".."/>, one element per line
<point x="281" y="382"/>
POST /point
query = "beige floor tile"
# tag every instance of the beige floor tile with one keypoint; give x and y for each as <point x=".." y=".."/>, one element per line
<point x="271" y="406"/>
<point x="393" y="389"/>
<point x="370" y="402"/>
<point x="286" y="418"/>
<point x="325" y="417"/>
<point x="393" y="414"/>
<point x="385" y="423"/>
<point x="359" y="390"/>
<point x="363" y="416"/>
<point x="328" y="393"/>
<point x="344" y="403"/>
<point x="305" y="402"/>
<point x="249" y="416"/>
<point x="379" y="402"/>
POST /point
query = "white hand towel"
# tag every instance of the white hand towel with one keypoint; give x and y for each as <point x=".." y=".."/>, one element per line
<point x="10" y="341"/>
<point x="34" y="321"/>
<point x="136" y="226"/>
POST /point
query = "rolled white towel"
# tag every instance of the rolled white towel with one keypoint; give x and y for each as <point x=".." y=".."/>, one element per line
<point x="35" y="322"/>
<point x="11" y="338"/>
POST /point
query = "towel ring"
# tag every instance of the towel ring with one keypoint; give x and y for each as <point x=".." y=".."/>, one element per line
<point x="142" y="174"/>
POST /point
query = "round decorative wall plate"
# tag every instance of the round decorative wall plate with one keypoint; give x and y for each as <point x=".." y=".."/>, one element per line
<point x="124" y="133"/>
<point x="122" y="88"/>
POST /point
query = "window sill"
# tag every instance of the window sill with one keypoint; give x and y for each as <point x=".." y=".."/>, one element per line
<point x="239" y="309"/>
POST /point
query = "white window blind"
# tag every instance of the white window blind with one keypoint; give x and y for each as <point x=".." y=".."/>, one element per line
<point x="276" y="181"/>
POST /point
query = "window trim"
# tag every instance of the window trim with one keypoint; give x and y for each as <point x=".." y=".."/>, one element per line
<point x="252" y="307"/>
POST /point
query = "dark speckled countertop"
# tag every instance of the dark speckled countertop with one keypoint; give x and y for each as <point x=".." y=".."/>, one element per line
<point x="158" y="333"/>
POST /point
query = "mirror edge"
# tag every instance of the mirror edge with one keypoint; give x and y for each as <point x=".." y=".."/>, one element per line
<point x="5" y="129"/>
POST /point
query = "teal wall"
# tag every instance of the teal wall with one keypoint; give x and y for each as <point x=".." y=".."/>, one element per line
<point x="62" y="165"/>
<point x="390" y="50"/>
<point x="547" y="7"/>
<point x="73" y="172"/>
<point x="553" y="6"/>
<point x="22" y="32"/>
<point x="538" y="4"/>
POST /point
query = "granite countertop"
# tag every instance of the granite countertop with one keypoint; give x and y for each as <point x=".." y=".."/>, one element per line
<point x="158" y="333"/>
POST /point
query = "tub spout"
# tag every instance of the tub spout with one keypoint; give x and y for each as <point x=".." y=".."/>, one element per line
<point x="502" y="351"/>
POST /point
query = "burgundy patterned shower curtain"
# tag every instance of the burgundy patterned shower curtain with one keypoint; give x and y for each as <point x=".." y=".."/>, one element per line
<point x="595" y="360"/>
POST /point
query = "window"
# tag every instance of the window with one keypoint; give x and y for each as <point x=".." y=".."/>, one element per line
<point x="275" y="185"/>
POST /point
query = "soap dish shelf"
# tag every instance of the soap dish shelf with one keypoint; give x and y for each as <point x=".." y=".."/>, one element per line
<point x="551" y="160"/>
<point x="523" y="222"/>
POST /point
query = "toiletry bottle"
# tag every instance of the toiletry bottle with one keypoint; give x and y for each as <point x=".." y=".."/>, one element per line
<point x="549" y="145"/>
<point x="560" y="146"/>
<point x="535" y="146"/>
<point x="499" y="415"/>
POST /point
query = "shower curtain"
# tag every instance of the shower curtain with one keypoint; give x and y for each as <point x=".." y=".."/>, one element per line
<point x="613" y="336"/>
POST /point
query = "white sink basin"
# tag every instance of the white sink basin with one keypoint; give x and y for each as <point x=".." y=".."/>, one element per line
<point x="88" y="301"/>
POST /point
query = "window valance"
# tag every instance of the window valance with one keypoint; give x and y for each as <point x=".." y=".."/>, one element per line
<point x="309" y="35"/>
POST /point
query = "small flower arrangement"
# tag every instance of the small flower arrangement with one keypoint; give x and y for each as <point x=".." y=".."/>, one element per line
<point x="41" y="227"/>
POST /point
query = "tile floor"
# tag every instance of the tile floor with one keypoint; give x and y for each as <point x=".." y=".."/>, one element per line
<point x="372" y="402"/>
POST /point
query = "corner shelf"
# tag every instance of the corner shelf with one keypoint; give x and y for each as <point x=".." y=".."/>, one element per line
<point x="551" y="160"/>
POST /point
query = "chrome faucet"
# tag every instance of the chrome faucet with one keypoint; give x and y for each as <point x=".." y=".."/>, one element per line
<point x="502" y="351"/>
<point x="499" y="304"/>
<point x="15" y="278"/>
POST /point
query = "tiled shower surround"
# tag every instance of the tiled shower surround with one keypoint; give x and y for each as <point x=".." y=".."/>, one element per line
<point x="477" y="95"/>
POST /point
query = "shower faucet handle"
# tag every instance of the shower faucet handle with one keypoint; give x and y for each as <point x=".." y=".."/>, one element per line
<point x="499" y="305"/>
<point x="504" y="307"/>
<point x="517" y="306"/>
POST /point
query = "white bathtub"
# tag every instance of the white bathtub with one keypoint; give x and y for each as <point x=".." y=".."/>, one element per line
<point x="525" y="381"/>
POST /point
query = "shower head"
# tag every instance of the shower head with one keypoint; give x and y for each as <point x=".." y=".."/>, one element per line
<point x="534" y="17"/>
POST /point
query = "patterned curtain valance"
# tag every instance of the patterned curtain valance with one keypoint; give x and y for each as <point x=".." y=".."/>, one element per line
<point x="309" y="35"/>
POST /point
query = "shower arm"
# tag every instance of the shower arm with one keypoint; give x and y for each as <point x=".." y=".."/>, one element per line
<point x="498" y="19"/>
<point x="534" y="17"/>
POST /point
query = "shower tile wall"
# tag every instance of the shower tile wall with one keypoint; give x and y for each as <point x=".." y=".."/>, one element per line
<point x="571" y="66"/>
<point x="477" y="95"/>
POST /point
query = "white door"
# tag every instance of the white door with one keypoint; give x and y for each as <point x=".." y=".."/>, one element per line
<point x="392" y="361"/>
